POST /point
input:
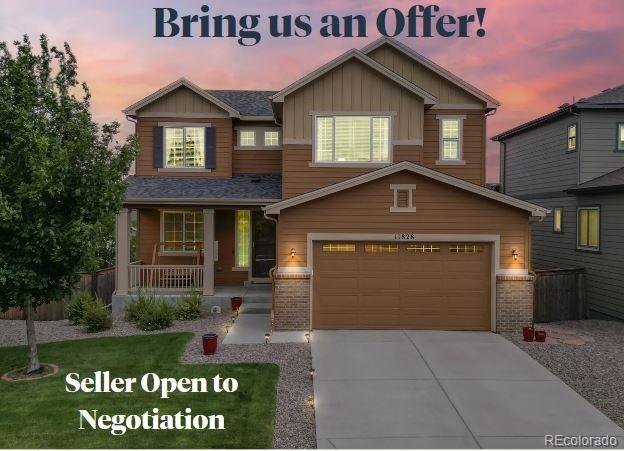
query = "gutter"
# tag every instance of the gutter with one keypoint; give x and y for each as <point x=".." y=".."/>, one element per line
<point x="195" y="201"/>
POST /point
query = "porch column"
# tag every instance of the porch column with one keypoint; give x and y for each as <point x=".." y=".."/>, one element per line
<point x="122" y="254"/>
<point x="208" y="252"/>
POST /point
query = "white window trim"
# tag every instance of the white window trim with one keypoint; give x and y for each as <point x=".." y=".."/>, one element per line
<point x="239" y="135"/>
<point x="351" y="164"/>
<point x="460" y="151"/>
<point x="259" y="134"/>
<point x="264" y="138"/>
<point x="410" y="206"/>
<point x="161" y="248"/>
<point x="236" y="238"/>
<point x="578" y="229"/>
<point x="619" y="136"/>
<point x="183" y="126"/>
<point x="568" y="148"/>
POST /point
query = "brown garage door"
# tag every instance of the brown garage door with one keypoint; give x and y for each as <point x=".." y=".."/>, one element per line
<point x="362" y="285"/>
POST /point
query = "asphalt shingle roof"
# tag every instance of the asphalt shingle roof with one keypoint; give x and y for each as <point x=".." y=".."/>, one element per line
<point x="613" y="180"/>
<point x="247" y="103"/>
<point x="607" y="97"/>
<point x="240" y="186"/>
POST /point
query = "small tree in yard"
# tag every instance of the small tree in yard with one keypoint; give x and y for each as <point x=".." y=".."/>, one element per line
<point x="61" y="177"/>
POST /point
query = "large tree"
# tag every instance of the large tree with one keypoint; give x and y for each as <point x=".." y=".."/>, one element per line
<point x="61" y="177"/>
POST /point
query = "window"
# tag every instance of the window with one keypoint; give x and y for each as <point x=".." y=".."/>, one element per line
<point x="381" y="248"/>
<point x="352" y="139"/>
<point x="184" y="147"/>
<point x="422" y="248"/>
<point x="620" y="136"/>
<point x="466" y="248"/>
<point x="271" y="138"/>
<point x="243" y="238"/>
<point x="182" y="231"/>
<point x="557" y="219"/>
<point x="247" y="137"/>
<point x="339" y="247"/>
<point x="572" y="137"/>
<point x="588" y="228"/>
<point x="450" y="139"/>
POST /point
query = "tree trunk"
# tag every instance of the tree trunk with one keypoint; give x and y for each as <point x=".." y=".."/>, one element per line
<point x="33" y="359"/>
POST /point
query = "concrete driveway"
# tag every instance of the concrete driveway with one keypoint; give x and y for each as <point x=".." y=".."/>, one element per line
<point x="427" y="389"/>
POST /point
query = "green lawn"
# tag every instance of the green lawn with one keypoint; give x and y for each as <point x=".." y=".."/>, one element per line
<point x="41" y="414"/>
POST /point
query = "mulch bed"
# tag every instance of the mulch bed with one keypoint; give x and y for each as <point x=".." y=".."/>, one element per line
<point x="18" y="375"/>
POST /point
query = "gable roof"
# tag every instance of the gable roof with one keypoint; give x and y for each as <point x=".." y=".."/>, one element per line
<point x="611" y="181"/>
<point x="246" y="102"/>
<point x="428" y="98"/>
<point x="609" y="98"/>
<point x="490" y="101"/>
<point x="182" y="82"/>
<point x="277" y="207"/>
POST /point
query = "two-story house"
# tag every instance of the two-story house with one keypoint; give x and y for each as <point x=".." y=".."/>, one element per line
<point x="572" y="162"/>
<point x="357" y="190"/>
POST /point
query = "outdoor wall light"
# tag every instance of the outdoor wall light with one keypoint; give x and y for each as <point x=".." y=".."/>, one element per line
<point x="311" y="401"/>
<point x="307" y="336"/>
<point x="267" y="337"/>
<point x="514" y="254"/>
<point x="312" y="372"/>
<point x="293" y="252"/>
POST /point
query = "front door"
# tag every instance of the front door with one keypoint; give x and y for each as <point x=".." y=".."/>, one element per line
<point x="262" y="244"/>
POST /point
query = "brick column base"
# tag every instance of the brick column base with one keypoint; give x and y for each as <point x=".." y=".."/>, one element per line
<point x="291" y="302"/>
<point x="514" y="302"/>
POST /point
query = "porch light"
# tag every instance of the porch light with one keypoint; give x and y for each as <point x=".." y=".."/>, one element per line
<point x="307" y="336"/>
<point x="267" y="337"/>
<point x="311" y="401"/>
<point x="514" y="254"/>
<point x="293" y="252"/>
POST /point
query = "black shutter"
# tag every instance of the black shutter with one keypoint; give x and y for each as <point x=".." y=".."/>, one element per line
<point x="157" y="146"/>
<point x="210" y="148"/>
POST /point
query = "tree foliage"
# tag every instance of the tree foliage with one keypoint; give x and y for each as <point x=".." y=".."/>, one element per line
<point x="61" y="175"/>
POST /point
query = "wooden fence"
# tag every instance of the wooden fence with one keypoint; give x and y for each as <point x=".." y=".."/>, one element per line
<point x="559" y="295"/>
<point x="100" y="283"/>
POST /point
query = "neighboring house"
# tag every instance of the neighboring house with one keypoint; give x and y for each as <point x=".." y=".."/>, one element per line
<point x="358" y="190"/>
<point x="572" y="162"/>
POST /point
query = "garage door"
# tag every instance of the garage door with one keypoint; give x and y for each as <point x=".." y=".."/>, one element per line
<point x="362" y="285"/>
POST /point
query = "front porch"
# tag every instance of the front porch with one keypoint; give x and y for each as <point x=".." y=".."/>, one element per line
<point x="214" y="251"/>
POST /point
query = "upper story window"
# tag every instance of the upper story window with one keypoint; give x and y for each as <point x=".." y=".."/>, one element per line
<point x="451" y="131"/>
<point x="352" y="139"/>
<point x="572" y="137"/>
<point x="588" y="228"/>
<point x="620" y="136"/>
<point x="182" y="231"/>
<point x="271" y="138"/>
<point x="184" y="147"/>
<point x="247" y="138"/>
<point x="557" y="219"/>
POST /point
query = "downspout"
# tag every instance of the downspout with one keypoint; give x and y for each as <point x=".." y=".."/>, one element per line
<point x="271" y="271"/>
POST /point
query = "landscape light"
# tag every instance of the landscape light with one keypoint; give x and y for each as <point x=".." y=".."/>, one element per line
<point x="267" y="336"/>
<point x="307" y="336"/>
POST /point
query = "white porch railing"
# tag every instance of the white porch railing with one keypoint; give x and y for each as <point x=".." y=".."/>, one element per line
<point x="166" y="277"/>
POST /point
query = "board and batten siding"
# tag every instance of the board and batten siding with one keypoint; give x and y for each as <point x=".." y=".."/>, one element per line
<point x="298" y="177"/>
<point x="599" y="143"/>
<point x="144" y="159"/>
<point x="182" y="101"/>
<point x="352" y="87"/>
<point x="421" y="76"/>
<point x="537" y="160"/>
<point x="440" y="209"/>
<point x="603" y="271"/>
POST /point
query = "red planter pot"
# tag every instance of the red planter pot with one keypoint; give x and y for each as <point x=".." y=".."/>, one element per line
<point x="236" y="301"/>
<point x="209" y="343"/>
<point x="540" y="335"/>
<point x="528" y="333"/>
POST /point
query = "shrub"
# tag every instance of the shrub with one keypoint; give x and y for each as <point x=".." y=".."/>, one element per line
<point x="148" y="312"/>
<point x="189" y="307"/>
<point x="76" y="306"/>
<point x="96" y="316"/>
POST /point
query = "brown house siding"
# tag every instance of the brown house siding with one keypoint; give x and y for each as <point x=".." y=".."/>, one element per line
<point x="440" y="209"/>
<point x="144" y="160"/>
<point x="257" y="161"/>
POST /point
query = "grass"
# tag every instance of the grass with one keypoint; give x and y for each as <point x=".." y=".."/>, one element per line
<point x="41" y="414"/>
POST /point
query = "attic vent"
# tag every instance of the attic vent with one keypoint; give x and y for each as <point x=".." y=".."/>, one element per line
<point x="403" y="199"/>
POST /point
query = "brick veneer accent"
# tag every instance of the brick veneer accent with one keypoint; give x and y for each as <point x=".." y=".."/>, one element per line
<point x="291" y="301"/>
<point x="514" y="302"/>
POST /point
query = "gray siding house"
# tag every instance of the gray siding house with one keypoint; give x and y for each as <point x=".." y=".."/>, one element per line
<point x="571" y="161"/>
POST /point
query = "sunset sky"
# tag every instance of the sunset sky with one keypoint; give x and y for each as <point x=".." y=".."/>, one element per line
<point x="535" y="55"/>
